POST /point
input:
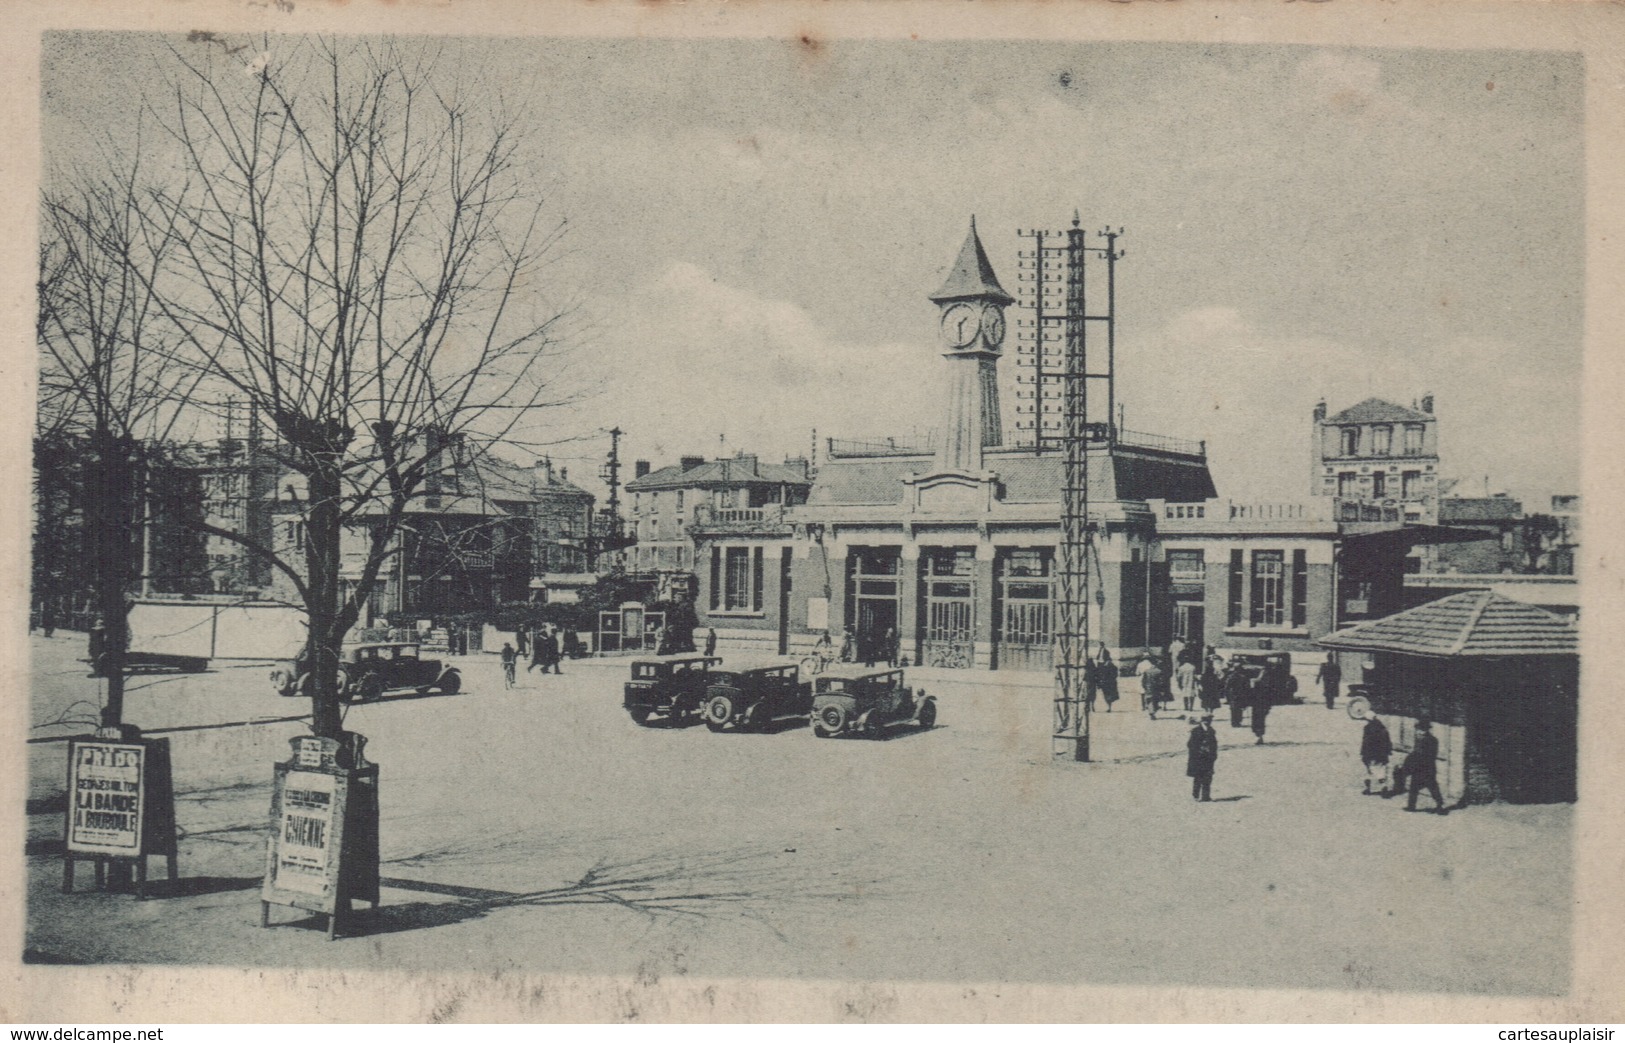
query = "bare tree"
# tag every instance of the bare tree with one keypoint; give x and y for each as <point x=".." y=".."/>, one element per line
<point x="108" y="389"/>
<point x="361" y="261"/>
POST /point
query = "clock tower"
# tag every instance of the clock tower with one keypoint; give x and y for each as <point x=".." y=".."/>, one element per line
<point x="971" y="327"/>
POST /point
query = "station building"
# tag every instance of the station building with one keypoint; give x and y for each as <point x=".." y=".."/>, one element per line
<point x="953" y="544"/>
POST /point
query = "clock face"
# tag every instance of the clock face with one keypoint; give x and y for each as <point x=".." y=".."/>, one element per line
<point x="992" y="325"/>
<point x="960" y="325"/>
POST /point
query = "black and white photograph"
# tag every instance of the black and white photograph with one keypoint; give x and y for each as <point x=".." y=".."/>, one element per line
<point x="714" y="513"/>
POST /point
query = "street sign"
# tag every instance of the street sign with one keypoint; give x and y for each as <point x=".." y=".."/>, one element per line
<point x="104" y="793"/>
<point x="121" y="804"/>
<point x="323" y="847"/>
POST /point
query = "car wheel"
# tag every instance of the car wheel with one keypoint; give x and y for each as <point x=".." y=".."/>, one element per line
<point x="451" y="683"/>
<point x="928" y="715"/>
<point x="284" y="682"/>
<point x="369" y="687"/>
<point x="819" y="731"/>
<point x="833" y="719"/>
<point x="718" y="712"/>
<point x="640" y="716"/>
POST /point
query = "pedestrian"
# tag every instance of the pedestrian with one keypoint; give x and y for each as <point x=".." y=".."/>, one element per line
<point x="1176" y="650"/>
<point x="1421" y="768"/>
<point x="555" y="641"/>
<point x="572" y="644"/>
<point x="1212" y="684"/>
<point x="538" y="656"/>
<point x="1375" y="749"/>
<point x="711" y="641"/>
<point x="1330" y="676"/>
<point x="1237" y="691"/>
<point x="1186" y="682"/>
<point x="1151" y="684"/>
<point x="1201" y="754"/>
<point x="1106" y="673"/>
<point x="848" y="649"/>
<point x="891" y="647"/>
<point x="509" y="659"/>
<point x="1263" y="700"/>
<point x="524" y="646"/>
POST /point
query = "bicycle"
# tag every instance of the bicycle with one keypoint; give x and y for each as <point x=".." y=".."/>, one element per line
<point x="818" y="660"/>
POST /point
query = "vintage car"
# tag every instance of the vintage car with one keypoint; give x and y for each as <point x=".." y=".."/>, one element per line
<point x="745" y="697"/>
<point x="671" y="686"/>
<point x="370" y="670"/>
<point x="856" y="701"/>
<point x="1255" y="664"/>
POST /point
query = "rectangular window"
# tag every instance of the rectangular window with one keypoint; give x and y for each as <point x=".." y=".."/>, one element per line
<point x="1382" y="439"/>
<point x="1348" y="485"/>
<point x="950" y="561"/>
<point x="1410" y="485"/>
<point x="1351" y="441"/>
<point x="737" y="585"/>
<point x="736" y="579"/>
<point x="1300" y="588"/>
<point x="1237" y="586"/>
<point x="1186" y="565"/>
<point x="1379" y="485"/>
<point x="1413" y="439"/>
<point x="876" y="561"/>
<point x="1027" y="563"/>
<point x="1268" y="566"/>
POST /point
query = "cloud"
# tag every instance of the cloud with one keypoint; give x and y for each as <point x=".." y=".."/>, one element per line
<point x="693" y="358"/>
<point x="1214" y="373"/>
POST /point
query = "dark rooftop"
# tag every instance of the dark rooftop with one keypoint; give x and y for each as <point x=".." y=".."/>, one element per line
<point x="1476" y="623"/>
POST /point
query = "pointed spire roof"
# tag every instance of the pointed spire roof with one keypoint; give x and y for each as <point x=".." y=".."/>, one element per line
<point x="972" y="275"/>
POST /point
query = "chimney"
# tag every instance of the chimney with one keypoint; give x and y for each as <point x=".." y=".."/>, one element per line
<point x="432" y="477"/>
<point x="688" y="463"/>
<point x="1320" y="410"/>
<point x="747" y="462"/>
<point x="799" y="464"/>
<point x="564" y="474"/>
<point x="640" y="468"/>
<point x="1427" y="402"/>
<point x="543" y="471"/>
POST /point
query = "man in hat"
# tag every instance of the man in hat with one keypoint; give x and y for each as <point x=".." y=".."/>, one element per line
<point x="1201" y="754"/>
<point x="1421" y="767"/>
<point x="1375" y="749"/>
<point x="1330" y="676"/>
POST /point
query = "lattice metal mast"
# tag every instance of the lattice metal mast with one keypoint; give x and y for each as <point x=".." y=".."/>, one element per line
<point x="1074" y="435"/>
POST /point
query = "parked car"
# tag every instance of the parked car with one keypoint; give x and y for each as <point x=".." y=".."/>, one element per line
<point x="672" y="686"/>
<point x="855" y="701"/>
<point x="370" y="670"/>
<point x="744" y="697"/>
<point x="1256" y="663"/>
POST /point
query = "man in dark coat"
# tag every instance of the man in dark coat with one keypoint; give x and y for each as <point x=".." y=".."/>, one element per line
<point x="1238" y="690"/>
<point x="711" y="641"/>
<point x="1375" y="749"/>
<point x="1212" y="682"/>
<point x="1330" y="676"/>
<point x="1201" y="754"/>
<point x="1263" y="700"/>
<point x="1421" y="768"/>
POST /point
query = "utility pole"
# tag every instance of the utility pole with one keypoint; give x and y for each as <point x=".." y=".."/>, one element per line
<point x="1066" y="391"/>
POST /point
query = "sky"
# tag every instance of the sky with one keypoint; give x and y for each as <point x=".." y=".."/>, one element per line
<point x="754" y="227"/>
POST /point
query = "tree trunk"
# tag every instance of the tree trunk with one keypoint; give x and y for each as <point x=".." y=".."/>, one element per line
<point x="322" y="562"/>
<point x="112" y="523"/>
